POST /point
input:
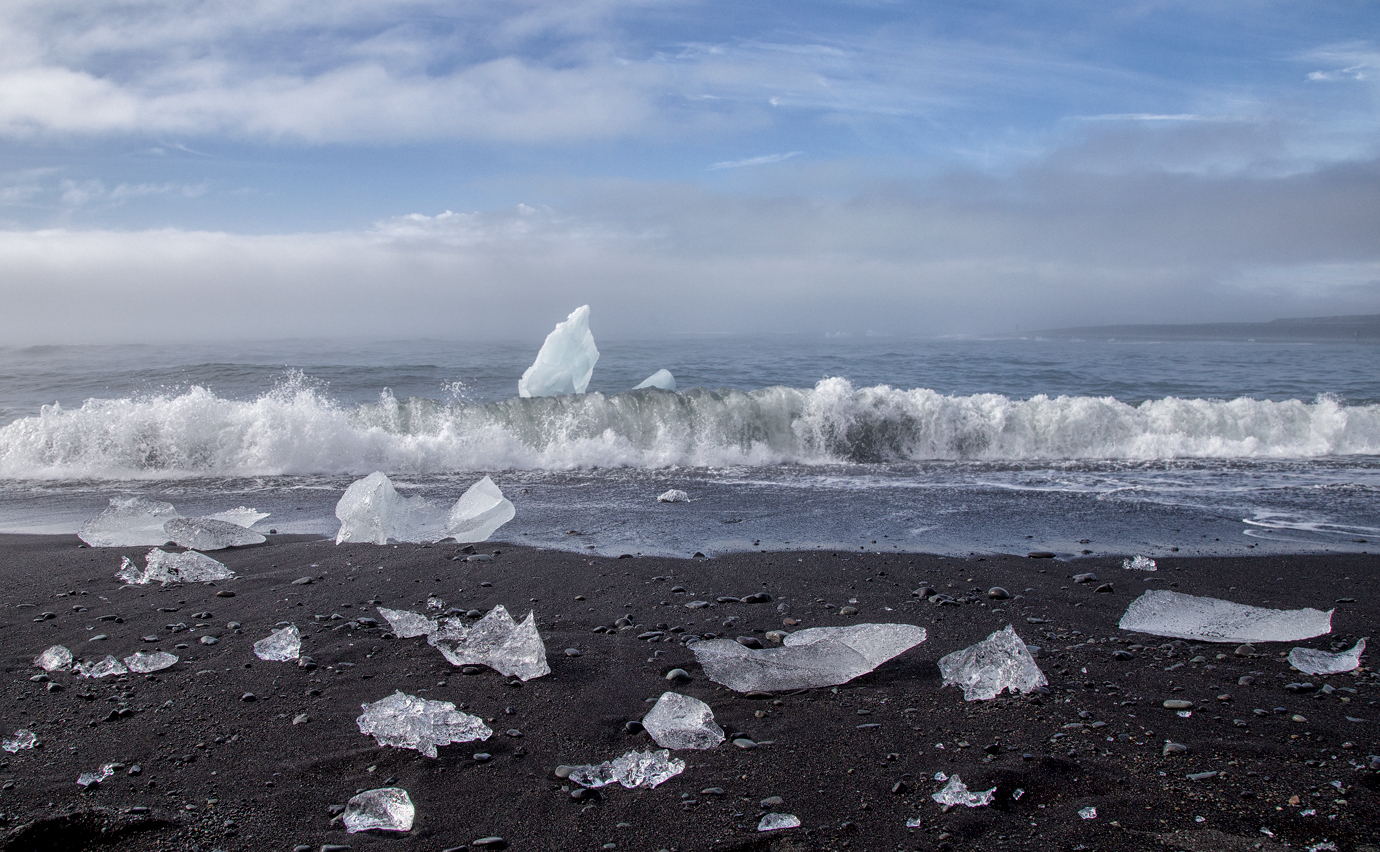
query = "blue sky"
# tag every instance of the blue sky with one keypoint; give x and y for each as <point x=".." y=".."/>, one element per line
<point x="915" y="168"/>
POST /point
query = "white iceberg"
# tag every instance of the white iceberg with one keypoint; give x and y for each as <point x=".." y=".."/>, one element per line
<point x="163" y="567"/>
<point x="496" y="641"/>
<point x="957" y="793"/>
<point x="772" y="822"/>
<point x="56" y="658"/>
<point x="634" y="769"/>
<point x="997" y="663"/>
<point x="819" y="656"/>
<point x="1164" y="613"/>
<point x="675" y="495"/>
<point x="133" y="522"/>
<point x="101" y="668"/>
<point x="660" y="379"/>
<point x="1314" y="662"/>
<point x="387" y="809"/>
<point x="22" y="739"/>
<point x="144" y="663"/>
<point x="243" y="516"/>
<point x="679" y="721"/>
<point x="280" y="646"/>
<point x="406" y="721"/>
<point x="371" y="510"/>
<point x="566" y="360"/>
<point x="209" y="534"/>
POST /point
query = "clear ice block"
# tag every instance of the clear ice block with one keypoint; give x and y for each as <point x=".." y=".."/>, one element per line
<point x="163" y="567"/>
<point x="243" y="516"/>
<point x="495" y="641"/>
<point x="772" y="822"/>
<point x="101" y="668"/>
<point x="1164" y="613"/>
<point x="819" y="656"/>
<point x="679" y="721"/>
<point x="408" y="625"/>
<point x="56" y="658"/>
<point x="1309" y="661"/>
<point x="145" y="663"/>
<point x="209" y="534"/>
<point x="957" y="793"/>
<point x="997" y="663"/>
<point x="1140" y="563"/>
<point x="22" y="739"/>
<point x="660" y="379"/>
<point x="86" y="779"/>
<point x="371" y="510"/>
<point x="634" y="769"/>
<point x="387" y="808"/>
<point x="406" y="721"/>
<point x="133" y="522"/>
<point x="280" y="645"/>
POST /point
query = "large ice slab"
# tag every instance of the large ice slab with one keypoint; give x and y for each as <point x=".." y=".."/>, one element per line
<point x="660" y="379"/>
<point x="566" y="360"/>
<point x="132" y="522"/>
<point x="243" y="516"/>
<point x="141" y="662"/>
<point x="371" y="510"/>
<point x="496" y="641"/>
<point x="160" y="566"/>
<point x="997" y="663"/>
<point x="209" y="534"/>
<point x="408" y="625"/>
<point x="101" y="668"/>
<point x="479" y="512"/>
<point x="280" y="646"/>
<point x="1164" y="613"/>
<point x="407" y="721"/>
<point x="1310" y="661"/>
<point x="957" y="793"/>
<point x="22" y="739"/>
<point x="56" y="658"/>
<point x="819" y="656"/>
<point x="634" y="769"/>
<point x="680" y="721"/>
<point x="387" y="809"/>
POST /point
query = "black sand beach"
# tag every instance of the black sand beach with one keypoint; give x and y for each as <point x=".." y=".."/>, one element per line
<point x="235" y="753"/>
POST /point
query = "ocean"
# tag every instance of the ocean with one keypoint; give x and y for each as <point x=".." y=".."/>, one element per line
<point x="786" y="442"/>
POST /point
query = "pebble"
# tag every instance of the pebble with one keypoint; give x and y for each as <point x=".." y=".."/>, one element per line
<point x="997" y="593"/>
<point x="744" y="742"/>
<point x="208" y="640"/>
<point x="1104" y="589"/>
<point x="772" y="802"/>
<point x="563" y="771"/>
<point x="632" y="726"/>
<point x="301" y="719"/>
<point x="1085" y="578"/>
<point x="99" y="637"/>
<point x="697" y="605"/>
<point x="572" y="652"/>
<point x="1040" y="554"/>
<point x="1123" y="655"/>
<point x="1297" y="718"/>
<point x="302" y="581"/>
<point x="678" y="675"/>
<point x="225" y="593"/>
<point x="924" y="592"/>
<point x="485" y="757"/>
<point x="1177" y="704"/>
<point x="751" y="641"/>
<point x="759" y="597"/>
<point x="848" y="610"/>
<point x="1173" y="748"/>
<point x="491" y="842"/>
<point x="713" y="791"/>
<point x="1201" y="776"/>
<point x="1245" y="680"/>
<point x="1245" y="651"/>
<point x="249" y="696"/>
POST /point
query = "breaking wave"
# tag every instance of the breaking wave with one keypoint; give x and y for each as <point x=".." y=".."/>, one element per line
<point x="297" y="429"/>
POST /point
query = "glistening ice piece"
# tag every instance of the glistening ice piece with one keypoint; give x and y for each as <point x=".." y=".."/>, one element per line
<point x="495" y="641"/>
<point x="680" y="721"/>
<point x="772" y="822"/>
<point x="675" y="495"/>
<point x="957" y="793"/>
<point x="660" y="379"/>
<point x="22" y="739"/>
<point x="243" y="516"/>
<point x="997" y="663"/>
<point x="143" y="663"/>
<point x="566" y="360"/>
<point x="634" y="769"/>
<point x="56" y="658"/>
<point x="1164" y="613"/>
<point x="371" y="510"/>
<point x="163" y="567"/>
<point x="280" y="645"/>
<point x="209" y="534"/>
<point x="135" y="522"/>
<point x="406" y="721"/>
<point x="1314" y="662"/>
<point x="86" y="779"/>
<point x="101" y="668"/>
<point x="819" y="656"/>
<point x="387" y="808"/>
<point x="1140" y="563"/>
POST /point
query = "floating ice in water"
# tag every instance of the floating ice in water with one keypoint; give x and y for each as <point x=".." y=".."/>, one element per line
<point x="86" y="779"/>
<point x="495" y="641"/>
<point x="407" y="721"/>
<point x="566" y="360"/>
<point x="660" y="379"/>
<point x="134" y="522"/>
<point x="371" y="510"/>
<point x="997" y="663"/>
<point x="54" y="659"/>
<point x="22" y="739"/>
<point x="387" y="808"/>
<point x="819" y="656"/>
<point x="1140" y="563"/>
<point x="408" y="625"/>
<point x="1088" y="813"/>
<point x="243" y="516"/>
<point x="101" y="668"/>
<point x="1164" y="613"/>
<point x="771" y="822"/>
<point x="143" y="663"/>
<point x="679" y="721"/>
<point x="675" y="495"/>
<point x="957" y="793"/>
<point x="280" y="645"/>
<point x="634" y="769"/>
<point x="160" y="566"/>
<point x="1314" y="662"/>
<point x="209" y="534"/>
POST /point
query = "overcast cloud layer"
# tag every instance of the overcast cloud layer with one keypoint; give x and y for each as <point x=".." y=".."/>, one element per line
<point x="179" y="169"/>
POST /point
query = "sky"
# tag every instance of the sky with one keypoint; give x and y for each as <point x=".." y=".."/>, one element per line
<point x="208" y="169"/>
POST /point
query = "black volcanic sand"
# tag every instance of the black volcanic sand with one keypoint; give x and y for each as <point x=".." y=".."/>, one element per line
<point x="855" y="763"/>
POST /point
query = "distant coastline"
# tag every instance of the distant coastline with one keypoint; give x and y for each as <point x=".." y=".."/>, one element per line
<point x="1363" y="328"/>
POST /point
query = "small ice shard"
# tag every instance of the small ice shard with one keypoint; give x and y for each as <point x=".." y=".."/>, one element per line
<point x="914" y="822"/>
<point x="1140" y="563"/>
<point x="771" y="822"/>
<point x="86" y="779"/>
<point x="1309" y="661"/>
<point x="134" y="522"/>
<point x="479" y="512"/>
<point x="243" y="516"/>
<point x="675" y="495"/>
<point x="566" y="360"/>
<point x="819" y="656"/>
<point x="408" y="625"/>
<point x="495" y="641"/>
<point x="997" y="663"/>
<point x="101" y="668"/>
<point x="679" y="721"/>
<point x="957" y="793"/>
<point x="145" y="663"/>
<point x="634" y="769"/>
<point x="209" y="534"/>
<point x="280" y="645"/>
<point x="387" y="808"/>
<point x="1088" y="813"/>
<point x="22" y="739"/>
<point x="660" y="379"/>
<point x="163" y="567"/>
<point x="56" y="658"/>
<point x="371" y="510"/>
<point x="407" y="721"/>
<point x="1164" y="613"/>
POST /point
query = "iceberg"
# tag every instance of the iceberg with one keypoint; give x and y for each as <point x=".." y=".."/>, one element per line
<point x="101" y="668"/>
<point x="387" y="808"/>
<point x="997" y="663"/>
<point x="680" y="721"/>
<point x="957" y="793"/>
<point x="280" y="646"/>
<point x="566" y="360"/>
<point x="144" y="663"/>
<point x="371" y="510"/>
<point x="209" y="534"/>
<point x="634" y="769"/>
<point x="660" y="379"/>
<point x="495" y="641"/>
<point x="772" y="822"/>
<point x="1164" y="613"/>
<point x="1314" y="662"/>
<point x="407" y="721"/>
<point x="135" y="522"/>
<point x="56" y="658"/>
<point x="819" y="656"/>
<point x="675" y="495"/>
<point x="164" y="567"/>
<point x="22" y="739"/>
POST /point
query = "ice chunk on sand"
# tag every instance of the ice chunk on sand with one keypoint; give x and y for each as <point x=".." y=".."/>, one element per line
<point x="134" y="522"/>
<point x="371" y="510"/>
<point x="771" y="822"/>
<point x="495" y="641"/>
<point x="566" y="360"/>
<point x="1140" y="563"/>
<point x="144" y="663"/>
<point x="54" y="659"/>
<point x="1314" y="662"/>
<point x="634" y="769"/>
<point x="660" y="379"/>
<point x="243" y="516"/>
<point x="163" y="567"/>
<point x="679" y="721"/>
<point x="387" y="808"/>
<point x="819" y="656"/>
<point x="675" y="495"/>
<point x="280" y="645"/>
<point x="997" y="663"/>
<point x="957" y="793"/>
<point x="1087" y="813"/>
<point x="479" y="512"/>
<point x="407" y="721"/>
<point x="22" y="739"/>
<point x="1164" y="613"/>
<point x="408" y="625"/>
<point x="101" y="668"/>
<point x="209" y="534"/>
<point x="86" y="779"/>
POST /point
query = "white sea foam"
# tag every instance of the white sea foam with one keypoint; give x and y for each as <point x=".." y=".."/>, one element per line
<point x="297" y="429"/>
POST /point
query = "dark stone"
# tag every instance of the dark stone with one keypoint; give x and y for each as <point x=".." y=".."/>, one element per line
<point x="1040" y="554"/>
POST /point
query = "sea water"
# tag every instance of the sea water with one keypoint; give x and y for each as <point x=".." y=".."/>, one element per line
<point x="792" y="441"/>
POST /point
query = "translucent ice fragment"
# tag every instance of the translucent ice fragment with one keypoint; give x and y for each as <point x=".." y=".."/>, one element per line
<point x="1088" y="813"/>
<point x="997" y="663"/>
<point x="634" y="769"/>
<point x="957" y="793"/>
<point x="1140" y="563"/>
<point x="771" y="822"/>
<point x="660" y="379"/>
<point x="408" y="625"/>
<point x="56" y="658"/>
<point x="86" y="779"/>
<point x="144" y="663"/>
<point x="679" y="721"/>
<point x="134" y="522"/>
<point x="819" y="656"/>
<point x="22" y="739"/>
<point x="407" y="721"/>
<point x="101" y="668"/>
<point x="914" y="822"/>
<point x="163" y="567"/>
<point x="387" y="808"/>
<point x="566" y="360"/>
<point x="1164" y="613"/>
<point x="371" y="510"/>
<point x="1314" y="662"/>
<point x="479" y="512"/>
<point x="209" y="534"/>
<point x="675" y="495"/>
<point x="280" y="645"/>
<point x="243" y="516"/>
<point x="495" y="641"/>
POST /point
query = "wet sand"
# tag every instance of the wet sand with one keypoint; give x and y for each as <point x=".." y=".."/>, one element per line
<point x="217" y="770"/>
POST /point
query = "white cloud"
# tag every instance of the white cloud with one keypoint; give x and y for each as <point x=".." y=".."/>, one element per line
<point x="755" y="161"/>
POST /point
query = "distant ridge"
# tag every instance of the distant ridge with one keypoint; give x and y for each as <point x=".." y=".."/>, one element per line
<point x="1363" y="328"/>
